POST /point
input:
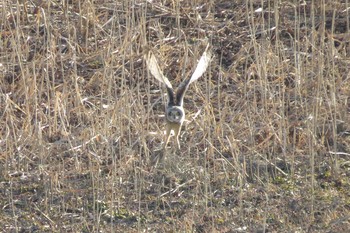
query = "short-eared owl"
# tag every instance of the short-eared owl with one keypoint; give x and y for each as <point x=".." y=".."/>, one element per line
<point x="175" y="113"/>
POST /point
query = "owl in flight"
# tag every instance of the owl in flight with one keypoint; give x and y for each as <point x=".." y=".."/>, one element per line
<point x="175" y="113"/>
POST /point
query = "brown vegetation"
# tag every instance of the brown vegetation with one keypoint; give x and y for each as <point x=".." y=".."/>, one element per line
<point x="266" y="146"/>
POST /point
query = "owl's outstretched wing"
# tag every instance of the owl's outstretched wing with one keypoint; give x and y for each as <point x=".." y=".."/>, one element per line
<point x="155" y="70"/>
<point x="199" y="71"/>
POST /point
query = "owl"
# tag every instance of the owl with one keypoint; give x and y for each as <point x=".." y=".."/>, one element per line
<point x="174" y="111"/>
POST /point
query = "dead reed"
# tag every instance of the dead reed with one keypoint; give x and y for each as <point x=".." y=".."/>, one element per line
<point x="266" y="146"/>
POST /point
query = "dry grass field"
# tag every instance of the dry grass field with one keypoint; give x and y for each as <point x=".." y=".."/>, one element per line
<point x="266" y="143"/>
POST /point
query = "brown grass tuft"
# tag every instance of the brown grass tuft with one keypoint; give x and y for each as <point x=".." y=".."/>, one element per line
<point x="266" y="146"/>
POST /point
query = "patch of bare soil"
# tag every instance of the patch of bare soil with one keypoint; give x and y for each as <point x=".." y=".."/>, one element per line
<point x="265" y="147"/>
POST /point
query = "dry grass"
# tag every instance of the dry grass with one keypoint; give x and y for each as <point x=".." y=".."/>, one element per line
<point x="266" y="146"/>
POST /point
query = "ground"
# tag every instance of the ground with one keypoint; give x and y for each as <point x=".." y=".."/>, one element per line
<point x="265" y="146"/>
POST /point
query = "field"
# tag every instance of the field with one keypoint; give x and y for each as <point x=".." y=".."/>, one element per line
<point x="266" y="142"/>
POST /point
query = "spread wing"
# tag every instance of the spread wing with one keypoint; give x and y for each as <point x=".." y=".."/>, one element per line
<point x="155" y="70"/>
<point x="199" y="71"/>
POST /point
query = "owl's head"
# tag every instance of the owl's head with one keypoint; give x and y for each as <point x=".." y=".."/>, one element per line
<point x="175" y="114"/>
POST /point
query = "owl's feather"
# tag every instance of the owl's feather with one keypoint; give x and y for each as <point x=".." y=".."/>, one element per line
<point x="201" y="67"/>
<point x="155" y="70"/>
<point x="199" y="71"/>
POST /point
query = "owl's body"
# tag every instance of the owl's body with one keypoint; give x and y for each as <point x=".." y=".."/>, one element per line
<point x="175" y="113"/>
<point x="175" y="116"/>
